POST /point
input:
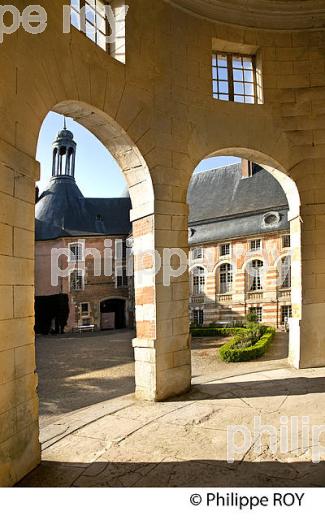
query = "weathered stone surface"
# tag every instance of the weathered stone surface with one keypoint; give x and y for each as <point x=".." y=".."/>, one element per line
<point x="122" y="442"/>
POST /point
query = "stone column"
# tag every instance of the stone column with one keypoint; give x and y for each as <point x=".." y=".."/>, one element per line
<point x="19" y="445"/>
<point x="296" y="295"/>
<point x="312" y="333"/>
<point x="307" y="335"/>
<point x="162" y="345"/>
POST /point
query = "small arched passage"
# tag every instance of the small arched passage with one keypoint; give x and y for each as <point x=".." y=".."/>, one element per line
<point x="112" y="314"/>
<point x="140" y="187"/>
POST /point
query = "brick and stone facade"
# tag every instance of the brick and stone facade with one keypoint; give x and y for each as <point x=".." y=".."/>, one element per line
<point x="89" y="236"/>
<point x="240" y="260"/>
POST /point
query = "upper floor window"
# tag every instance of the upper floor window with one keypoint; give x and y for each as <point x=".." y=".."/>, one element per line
<point x="225" y="249"/>
<point x="89" y="16"/>
<point x="234" y="77"/>
<point x="76" y="252"/>
<point x="286" y="241"/>
<point x="255" y="273"/>
<point x="77" y="280"/>
<point x="121" y="278"/>
<point x="198" y="281"/>
<point x="121" y="250"/>
<point x="255" y="245"/>
<point x="103" y="22"/>
<point x="197" y="253"/>
<point x="286" y="272"/>
<point x="226" y="278"/>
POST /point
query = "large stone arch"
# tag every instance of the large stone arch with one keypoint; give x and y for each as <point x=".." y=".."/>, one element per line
<point x="121" y="147"/>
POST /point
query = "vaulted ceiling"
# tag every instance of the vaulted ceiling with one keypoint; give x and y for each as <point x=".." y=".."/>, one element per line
<point x="267" y="14"/>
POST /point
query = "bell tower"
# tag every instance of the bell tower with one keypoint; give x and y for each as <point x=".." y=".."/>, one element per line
<point x="64" y="154"/>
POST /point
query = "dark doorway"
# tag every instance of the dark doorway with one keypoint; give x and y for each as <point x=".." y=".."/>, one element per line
<point x="112" y="314"/>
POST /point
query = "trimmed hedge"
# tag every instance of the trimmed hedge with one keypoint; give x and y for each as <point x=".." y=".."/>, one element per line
<point x="215" y="331"/>
<point x="231" y="353"/>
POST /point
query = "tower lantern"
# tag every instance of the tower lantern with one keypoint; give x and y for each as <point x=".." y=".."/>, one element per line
<point x="64" y="154"/>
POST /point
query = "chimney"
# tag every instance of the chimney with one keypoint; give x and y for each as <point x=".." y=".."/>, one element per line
<point x="36" y="194"/>
<point x="247" y="168"/>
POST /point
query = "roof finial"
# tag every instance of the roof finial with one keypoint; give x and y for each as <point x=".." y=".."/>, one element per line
<point x="65" y="123"/>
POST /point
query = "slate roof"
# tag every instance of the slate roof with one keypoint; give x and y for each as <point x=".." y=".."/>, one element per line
<point x="223" y="205"/>
<point x="63" y="211"/>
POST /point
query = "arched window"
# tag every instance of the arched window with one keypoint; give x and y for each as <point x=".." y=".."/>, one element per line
<point x="255" y="275"/>
<point x="286" y="272"/>
<point x="198" y="281"/>
<point x="225" y="278"/>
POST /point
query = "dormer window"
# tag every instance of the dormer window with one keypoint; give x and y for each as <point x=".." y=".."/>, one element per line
<point x="271" y="219"/>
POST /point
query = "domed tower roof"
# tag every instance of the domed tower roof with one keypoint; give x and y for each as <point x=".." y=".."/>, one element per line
<point x="63" y="211"/>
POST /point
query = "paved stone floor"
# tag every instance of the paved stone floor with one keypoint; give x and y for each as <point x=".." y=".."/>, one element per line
<point x="94" y="433"/>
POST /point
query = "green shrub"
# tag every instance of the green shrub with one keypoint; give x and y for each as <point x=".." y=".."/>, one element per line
<point x="252" y="317"/>
<point x="216" y="331"/>
<point x="245" y="346"/>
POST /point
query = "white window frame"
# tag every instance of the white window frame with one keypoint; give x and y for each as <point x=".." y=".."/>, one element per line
<point x="258" y="311"/>
<point x="226" y="244"/>
<point x="287" y="314"/>
<point x="81" y="247"/>
<point x="255" y="275"/>
<point x="200" y="313"/>
<point x="255" y="248"/>
<point x="285" y="237"/>
<point x="197" y="253"/>
<point x="286" y="272"/>
<point x="82" y="276"/>
<point x="82" y="315"/>
<point x="198" y="281"/>
<point x="226" y="278"/>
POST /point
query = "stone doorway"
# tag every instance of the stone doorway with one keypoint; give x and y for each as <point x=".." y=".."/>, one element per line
<point x="112" y="314"/>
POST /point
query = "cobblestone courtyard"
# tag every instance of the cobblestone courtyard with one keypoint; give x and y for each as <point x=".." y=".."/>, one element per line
<point x="94" y="433"/>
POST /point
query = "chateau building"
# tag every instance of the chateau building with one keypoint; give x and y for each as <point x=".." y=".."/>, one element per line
<point x="238" y="233"/>
<point x="90" y="235"/>
<point x="240" y="246"/>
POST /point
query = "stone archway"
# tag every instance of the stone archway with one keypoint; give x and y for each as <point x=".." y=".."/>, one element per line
<point x="291" y="191"/>
<point x="113" y="313"/>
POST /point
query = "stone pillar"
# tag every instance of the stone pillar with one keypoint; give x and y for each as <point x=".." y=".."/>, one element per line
<point x="307" y="335"/>
<point x="162" y="345"/>
<point x="296" y="295"/>
<point x="312" y="327"/>
<point x="19" y="445"/>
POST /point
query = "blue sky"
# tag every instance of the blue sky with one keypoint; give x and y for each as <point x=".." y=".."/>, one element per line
<point x="97" y="173"/>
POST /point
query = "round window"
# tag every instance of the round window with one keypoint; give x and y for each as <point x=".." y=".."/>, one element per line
<point x="271" y="219"/>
